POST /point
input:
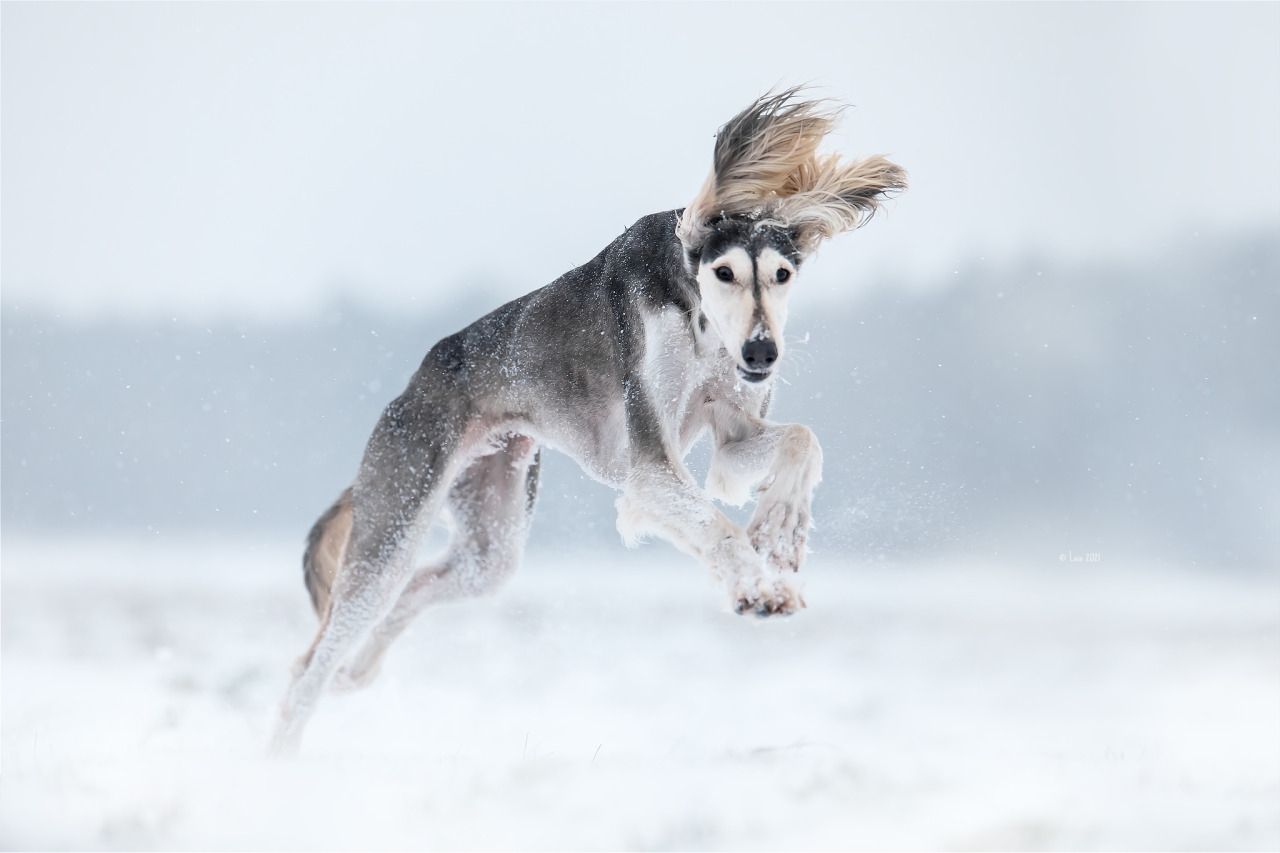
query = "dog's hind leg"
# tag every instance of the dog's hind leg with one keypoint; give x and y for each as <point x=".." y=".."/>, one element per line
<point x="411" y="458"/>
<point x="491" y="504"/>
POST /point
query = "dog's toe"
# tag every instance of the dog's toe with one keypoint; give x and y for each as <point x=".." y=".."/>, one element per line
<point x="780" y="534"/>
<point x="767" y="597"/>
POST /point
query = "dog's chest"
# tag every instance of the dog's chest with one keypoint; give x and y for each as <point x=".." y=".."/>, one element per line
<point x="673" y="366"/>
<point x="685" y="371"/>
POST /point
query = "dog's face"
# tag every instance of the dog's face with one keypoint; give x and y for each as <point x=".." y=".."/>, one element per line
<point x="746" y="271"/>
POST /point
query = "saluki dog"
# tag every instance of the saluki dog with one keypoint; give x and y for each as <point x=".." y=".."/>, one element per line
<point x="674" y="329"/>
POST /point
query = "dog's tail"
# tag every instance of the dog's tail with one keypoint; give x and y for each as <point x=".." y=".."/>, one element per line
<point x="766" y="165"/>
<point x="326" y="546"/>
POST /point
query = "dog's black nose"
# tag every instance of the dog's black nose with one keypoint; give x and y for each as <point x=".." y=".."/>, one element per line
<point x="759" y="355"/>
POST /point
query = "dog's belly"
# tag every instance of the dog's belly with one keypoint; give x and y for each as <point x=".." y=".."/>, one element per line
<point x="596" y="440"/>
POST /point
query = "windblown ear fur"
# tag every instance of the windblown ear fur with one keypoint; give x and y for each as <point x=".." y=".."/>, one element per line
<point x="826" y="196"/>
<point x="756" y="153"/>
<point x="766" y="165"/>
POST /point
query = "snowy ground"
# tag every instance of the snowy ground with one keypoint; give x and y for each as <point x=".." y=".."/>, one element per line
<point x="613" y="703"/>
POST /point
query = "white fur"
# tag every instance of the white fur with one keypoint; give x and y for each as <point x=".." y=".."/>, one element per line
<point x="751" y="307"/>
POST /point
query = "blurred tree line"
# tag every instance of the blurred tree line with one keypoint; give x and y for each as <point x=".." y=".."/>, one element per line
<point x="1026" y="410"/>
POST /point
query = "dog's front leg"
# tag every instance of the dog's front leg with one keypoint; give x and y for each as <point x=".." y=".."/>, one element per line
<point x="658" y="500"/>
<point x="786" y="460"/>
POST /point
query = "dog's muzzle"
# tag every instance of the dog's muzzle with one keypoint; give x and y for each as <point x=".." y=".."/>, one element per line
<point x="759" y="356"/>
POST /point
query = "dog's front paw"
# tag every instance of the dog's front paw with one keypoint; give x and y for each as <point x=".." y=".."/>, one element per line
<point x="780" y="532"/>
<point x="767" y="595"/>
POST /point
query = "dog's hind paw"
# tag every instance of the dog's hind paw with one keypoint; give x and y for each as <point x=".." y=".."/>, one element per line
<point x="767" y="596"/>
<point x="780" y="533"/>
<point x="346" y="680"/>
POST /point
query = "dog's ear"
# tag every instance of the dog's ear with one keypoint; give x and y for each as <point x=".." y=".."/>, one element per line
<point x="757" y="155"/>
<point x="825" y="196"/>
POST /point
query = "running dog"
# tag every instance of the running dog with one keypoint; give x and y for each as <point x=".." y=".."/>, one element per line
<point x="674" y="329"/>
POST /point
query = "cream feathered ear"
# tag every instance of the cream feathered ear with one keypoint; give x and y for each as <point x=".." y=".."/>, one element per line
<point x="766" y="165"/>
<point x="757" y="153"/>
<point x="826" y="196"/>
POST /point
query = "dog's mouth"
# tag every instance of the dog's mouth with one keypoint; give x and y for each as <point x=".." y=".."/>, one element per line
<point x="751" y="376"/>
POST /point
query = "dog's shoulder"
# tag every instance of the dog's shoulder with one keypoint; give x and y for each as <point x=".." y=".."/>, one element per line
<point x="645" y="265"/>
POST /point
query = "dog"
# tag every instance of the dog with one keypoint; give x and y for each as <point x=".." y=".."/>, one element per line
<point x="673" y="330"/>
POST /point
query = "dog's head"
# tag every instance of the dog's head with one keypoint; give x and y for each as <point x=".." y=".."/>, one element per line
<point x="768" y="203"/>
<point x="745" y="271"/>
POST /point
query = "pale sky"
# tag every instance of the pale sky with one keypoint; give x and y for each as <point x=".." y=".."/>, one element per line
<point x="261" y="160"/>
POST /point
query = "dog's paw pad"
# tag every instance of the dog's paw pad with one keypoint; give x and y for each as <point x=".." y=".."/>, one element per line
<point x="768" y="597"/>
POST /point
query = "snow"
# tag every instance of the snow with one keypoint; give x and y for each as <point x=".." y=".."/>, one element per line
<point x="611" y="701"/>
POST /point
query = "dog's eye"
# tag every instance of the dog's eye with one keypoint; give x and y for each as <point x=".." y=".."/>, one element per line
<point x="724" y="273"/>
<point x="782" y="275"/>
